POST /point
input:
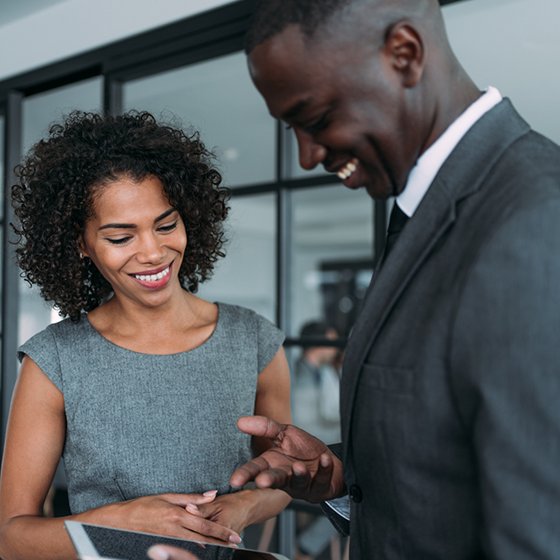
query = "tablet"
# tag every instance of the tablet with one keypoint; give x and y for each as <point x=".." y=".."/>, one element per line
<point x="93" y="542"/>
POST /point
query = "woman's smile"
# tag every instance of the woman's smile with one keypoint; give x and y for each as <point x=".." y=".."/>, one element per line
<point x="137" y="240"/>
<point x="154" y="279"/>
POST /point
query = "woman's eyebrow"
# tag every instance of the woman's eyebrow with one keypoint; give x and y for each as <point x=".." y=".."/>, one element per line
<point x="132" y="226"/>
<point x="164" y="215"/>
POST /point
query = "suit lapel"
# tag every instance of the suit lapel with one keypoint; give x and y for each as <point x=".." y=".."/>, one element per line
<point x="460" y="176"/>
<point x="415" y="242"/>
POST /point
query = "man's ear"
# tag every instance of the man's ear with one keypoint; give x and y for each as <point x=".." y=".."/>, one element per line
<point x="404" y="49"/>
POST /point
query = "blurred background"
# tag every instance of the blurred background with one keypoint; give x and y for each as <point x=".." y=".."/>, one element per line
<point x="301" y="247"/>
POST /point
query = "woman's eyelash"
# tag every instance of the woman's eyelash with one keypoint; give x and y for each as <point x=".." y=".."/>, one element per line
<point x="117" y="241"/>
<point x="122" y="240"/>
<point x="169" y="227"/>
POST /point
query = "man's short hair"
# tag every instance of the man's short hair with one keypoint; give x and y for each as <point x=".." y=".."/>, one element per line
<point x="271" y="17"/>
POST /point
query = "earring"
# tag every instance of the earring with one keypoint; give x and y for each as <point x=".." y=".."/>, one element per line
<point x="81" y="256"/>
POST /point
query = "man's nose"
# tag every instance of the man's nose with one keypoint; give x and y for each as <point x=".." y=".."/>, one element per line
<point x="311" y="153"/>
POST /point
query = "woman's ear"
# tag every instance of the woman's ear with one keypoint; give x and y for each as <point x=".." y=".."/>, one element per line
<point x="405" y="50"/>
<point x="82" y="247"/>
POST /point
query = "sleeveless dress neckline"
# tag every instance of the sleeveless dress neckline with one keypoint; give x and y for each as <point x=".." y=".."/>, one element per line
<point x="208" y="341"/>
<point x="144" y="424"/>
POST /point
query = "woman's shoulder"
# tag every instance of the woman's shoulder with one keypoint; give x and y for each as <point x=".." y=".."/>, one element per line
<point x="56" y="334"/>
<point x="251" y="331"/>
<point x="235" y="315"/>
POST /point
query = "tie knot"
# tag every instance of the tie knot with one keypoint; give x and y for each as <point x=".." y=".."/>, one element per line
<point x="397" y="221"/>
<point x="396" y="224"/>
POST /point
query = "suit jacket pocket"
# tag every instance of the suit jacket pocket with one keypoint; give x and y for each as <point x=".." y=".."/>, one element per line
<point x="397" y="381"/>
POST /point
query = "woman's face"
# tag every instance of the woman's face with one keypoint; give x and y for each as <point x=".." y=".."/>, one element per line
<point x="137" y="241"/>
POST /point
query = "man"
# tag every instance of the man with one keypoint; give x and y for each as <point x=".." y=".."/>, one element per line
<point x="451" y="381"/>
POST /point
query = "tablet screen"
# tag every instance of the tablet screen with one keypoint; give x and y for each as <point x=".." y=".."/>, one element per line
<point x="130" y="545"/>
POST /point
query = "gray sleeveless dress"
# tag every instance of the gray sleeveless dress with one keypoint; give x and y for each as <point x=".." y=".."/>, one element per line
<point x="142" y="424"/>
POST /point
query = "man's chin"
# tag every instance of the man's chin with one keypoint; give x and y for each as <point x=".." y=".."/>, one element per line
<point x="379" y="192"/>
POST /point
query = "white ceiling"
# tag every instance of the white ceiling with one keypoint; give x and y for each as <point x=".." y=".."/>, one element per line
<point x="12" y="10"/>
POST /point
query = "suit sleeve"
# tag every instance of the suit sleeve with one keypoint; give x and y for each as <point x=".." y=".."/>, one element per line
<point x="505" y="365"/>
<point x="340" y="522"/>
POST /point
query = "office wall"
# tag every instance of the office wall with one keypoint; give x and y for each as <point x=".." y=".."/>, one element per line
<point x="514" y="46"/>
<point x="72" y="27"/>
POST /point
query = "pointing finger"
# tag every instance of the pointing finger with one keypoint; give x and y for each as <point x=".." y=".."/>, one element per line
<point x="260" y="426"/>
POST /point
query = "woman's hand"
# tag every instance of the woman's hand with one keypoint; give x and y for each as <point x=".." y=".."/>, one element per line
<point x="233" y="511"/>
<point x="240" y="509"/>
<point x="166" y="514"/>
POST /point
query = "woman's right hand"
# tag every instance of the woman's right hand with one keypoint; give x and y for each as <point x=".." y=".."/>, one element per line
<point x="165" y="514"/>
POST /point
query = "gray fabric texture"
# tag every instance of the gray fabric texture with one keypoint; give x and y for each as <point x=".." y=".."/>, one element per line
<point x="143" y="424"/>
<point x="450" y="388"/>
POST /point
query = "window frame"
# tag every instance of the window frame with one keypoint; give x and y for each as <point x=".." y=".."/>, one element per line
<point x="211" y="34"/>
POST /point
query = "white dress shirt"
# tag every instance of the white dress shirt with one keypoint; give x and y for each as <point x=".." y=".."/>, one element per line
<point x="419" y="181"/>
<point x="430" y="162"/>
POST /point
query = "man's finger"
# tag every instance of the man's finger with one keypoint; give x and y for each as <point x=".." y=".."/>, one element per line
<point x="249" y="471"/>
<point x="273" y="478"/>
<point x="321" y="484"/>
<point x="260" y="426"/>
<point x="300" y="480"/>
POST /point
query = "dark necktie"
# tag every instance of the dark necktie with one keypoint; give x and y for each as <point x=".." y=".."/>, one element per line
<point x="396" y="224"/>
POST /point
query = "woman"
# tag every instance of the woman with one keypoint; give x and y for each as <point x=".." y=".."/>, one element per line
<point x="140" y="388"/>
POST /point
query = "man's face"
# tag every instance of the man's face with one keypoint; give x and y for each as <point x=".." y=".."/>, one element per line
<point x="346" y="105"/>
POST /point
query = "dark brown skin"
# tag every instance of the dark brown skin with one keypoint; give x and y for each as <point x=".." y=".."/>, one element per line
<point x="378" y="84"/>
<point x="299" y="463"/>
<point x="350" y="93"/>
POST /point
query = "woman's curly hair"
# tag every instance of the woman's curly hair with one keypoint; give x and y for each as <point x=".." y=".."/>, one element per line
<point x="58" y="181"/>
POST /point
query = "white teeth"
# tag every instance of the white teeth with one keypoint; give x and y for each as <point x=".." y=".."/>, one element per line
<point x="153" y="277"/>
<point x="348" y="169"/>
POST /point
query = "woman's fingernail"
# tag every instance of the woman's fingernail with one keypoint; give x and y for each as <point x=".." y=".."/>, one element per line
<point x="192" y="506"/>
<point x="157" y="553"/>
<point x="210" y="493"/>
<point x="235" y="539"/>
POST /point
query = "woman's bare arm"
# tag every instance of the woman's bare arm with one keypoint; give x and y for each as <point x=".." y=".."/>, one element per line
<point x="247" y="507"/>
<point x="34" y="442"/>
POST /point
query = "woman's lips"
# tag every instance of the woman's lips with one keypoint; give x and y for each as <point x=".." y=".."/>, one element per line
<point x="154" y="280"/>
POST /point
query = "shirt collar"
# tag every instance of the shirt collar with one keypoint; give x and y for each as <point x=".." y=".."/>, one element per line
<point x="430" y="162"/>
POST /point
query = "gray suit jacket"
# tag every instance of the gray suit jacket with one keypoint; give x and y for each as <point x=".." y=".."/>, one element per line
<point x="450" y="397"/>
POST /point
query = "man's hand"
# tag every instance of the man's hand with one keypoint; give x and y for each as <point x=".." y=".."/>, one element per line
<point x="298" y="463"/>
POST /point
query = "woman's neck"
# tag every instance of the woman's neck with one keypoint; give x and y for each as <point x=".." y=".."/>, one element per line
<point x="181" y="324"/>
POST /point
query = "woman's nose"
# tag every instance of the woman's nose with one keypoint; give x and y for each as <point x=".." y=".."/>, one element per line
<point x="150" y="250"/>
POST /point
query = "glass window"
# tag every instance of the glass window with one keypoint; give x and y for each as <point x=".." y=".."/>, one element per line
<point x="332" y="261"/>
<point x="1" y="166"/>
<point x="43" y="109"/>
<point x="39" y="112"/>
<point x="217" y="98"/>
<point x="247" y="275"/>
